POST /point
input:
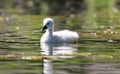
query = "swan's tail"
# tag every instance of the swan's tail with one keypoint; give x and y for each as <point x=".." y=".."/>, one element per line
<point x="68" y="36"/>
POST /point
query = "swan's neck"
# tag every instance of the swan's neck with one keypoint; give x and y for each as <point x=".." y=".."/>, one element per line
<point x="49" y="32"/>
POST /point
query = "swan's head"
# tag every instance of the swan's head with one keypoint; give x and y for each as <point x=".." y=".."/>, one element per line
<point x="48" y="23"/>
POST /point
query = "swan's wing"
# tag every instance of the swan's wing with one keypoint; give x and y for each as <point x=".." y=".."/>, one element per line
<point x="66" y="35"/>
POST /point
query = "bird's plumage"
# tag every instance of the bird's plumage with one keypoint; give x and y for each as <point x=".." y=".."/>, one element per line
<point x="57" y="36"/>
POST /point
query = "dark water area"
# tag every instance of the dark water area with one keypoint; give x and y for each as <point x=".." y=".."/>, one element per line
<point x="81" y="58"/>
<point x="85" y="57"/>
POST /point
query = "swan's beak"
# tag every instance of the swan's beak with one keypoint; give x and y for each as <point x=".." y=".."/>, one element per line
<point x="44" y="27"/>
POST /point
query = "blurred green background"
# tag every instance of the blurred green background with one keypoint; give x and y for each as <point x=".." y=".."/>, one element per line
<point x="96" y="16"/>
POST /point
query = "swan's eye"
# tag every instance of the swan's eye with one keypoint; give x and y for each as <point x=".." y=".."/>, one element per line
<point x="48" y="23"/>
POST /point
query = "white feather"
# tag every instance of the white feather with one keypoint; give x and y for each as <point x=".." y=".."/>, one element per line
<point x="57" y="36"/>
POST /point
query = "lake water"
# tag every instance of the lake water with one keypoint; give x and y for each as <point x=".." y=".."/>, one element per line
<point x="21" y="53"/>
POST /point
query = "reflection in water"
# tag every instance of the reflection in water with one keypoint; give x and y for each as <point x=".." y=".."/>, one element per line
<point x="47" y="67"/>
<point x="49" y="49"/>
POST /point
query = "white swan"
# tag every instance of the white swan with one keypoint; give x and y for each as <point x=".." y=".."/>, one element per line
<point x="57" y="36"/>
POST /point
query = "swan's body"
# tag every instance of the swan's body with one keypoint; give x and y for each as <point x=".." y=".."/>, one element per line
<point x="57" y="36"/>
